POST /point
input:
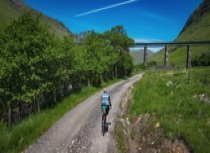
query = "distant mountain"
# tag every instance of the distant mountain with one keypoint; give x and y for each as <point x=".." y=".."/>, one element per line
<point x="10" y="9"/>
<point x="197" y="27"/>
<point x="138" y="55"/>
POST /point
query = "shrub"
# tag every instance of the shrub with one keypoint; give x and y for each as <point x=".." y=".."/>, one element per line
<point x="202" y="60"/>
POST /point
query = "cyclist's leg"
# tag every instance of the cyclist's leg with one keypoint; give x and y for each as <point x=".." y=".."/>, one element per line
<point x="107" y="113"/>
<point x="102" y="111"/>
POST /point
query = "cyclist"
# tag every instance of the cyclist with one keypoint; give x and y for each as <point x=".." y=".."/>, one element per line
<point x="106" y="100"/>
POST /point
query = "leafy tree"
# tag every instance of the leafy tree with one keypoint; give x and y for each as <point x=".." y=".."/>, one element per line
<point x="117" y="37"/>
<point x="23" y="45"/>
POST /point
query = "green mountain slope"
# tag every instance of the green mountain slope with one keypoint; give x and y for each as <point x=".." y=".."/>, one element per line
<point x="7" y="13"/>
<point x="197" y="27"/>
<point x="138" y="55"/>
<point x="10" y="9"/>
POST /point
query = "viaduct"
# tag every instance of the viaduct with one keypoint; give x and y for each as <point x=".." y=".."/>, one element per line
<point x="166" y="44"/>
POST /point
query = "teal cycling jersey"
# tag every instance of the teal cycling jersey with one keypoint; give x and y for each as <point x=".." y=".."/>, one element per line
<point x="105" y="99"/>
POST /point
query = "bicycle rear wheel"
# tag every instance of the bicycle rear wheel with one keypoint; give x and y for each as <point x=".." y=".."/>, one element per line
<point x="104" y="125"/>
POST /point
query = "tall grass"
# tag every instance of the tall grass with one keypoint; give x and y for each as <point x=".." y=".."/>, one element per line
<point x="21" y="135"/>
<point x="175" y="97"/>
<point x="119" y="136"/>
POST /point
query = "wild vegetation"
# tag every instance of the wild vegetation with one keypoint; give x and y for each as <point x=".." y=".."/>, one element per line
<point x="169" y="112"/>
<point x="180" y="101"/>
<point x="38" y="69"/>
<point x="202" y="60"/>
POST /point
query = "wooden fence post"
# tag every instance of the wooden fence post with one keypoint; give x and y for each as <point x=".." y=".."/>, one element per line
<point x="188" y="64"/>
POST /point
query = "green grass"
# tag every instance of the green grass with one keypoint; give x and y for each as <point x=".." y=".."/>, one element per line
<point x="23" y="134"/>
<point x="119" y="136"/>
<point x="174" y="99"/>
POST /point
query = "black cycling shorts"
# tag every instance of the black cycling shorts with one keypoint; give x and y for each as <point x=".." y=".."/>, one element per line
<point x="107" y="109"/>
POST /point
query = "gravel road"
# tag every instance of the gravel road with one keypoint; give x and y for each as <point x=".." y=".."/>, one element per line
<point x="79" y="130"/>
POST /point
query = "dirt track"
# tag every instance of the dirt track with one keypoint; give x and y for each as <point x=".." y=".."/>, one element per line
<point x="79" y="130"/>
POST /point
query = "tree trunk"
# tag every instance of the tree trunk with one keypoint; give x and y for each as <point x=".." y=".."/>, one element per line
<point x="55" y="97"/>
<point x="115" y="71"/>
<point x="101" y="78"/>
<point x="88" y="82"/>
<point x="9" y="115"/>
<point x="38" y="105"/>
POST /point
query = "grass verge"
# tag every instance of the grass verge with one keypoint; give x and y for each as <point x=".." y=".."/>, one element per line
<point x="119" y="136"/>
<point x="180" y="101"/>
<point x="21" y="135"/>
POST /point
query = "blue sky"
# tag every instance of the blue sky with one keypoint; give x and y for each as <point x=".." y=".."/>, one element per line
<point x="144" y="20"/>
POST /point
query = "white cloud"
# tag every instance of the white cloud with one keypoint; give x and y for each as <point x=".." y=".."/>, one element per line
<point x="105" y="8"/>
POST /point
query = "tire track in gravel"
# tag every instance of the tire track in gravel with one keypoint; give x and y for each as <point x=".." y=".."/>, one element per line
<point x="79" y="130"/>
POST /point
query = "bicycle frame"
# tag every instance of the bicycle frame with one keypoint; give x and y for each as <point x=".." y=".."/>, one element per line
<point x="103" y="107"/>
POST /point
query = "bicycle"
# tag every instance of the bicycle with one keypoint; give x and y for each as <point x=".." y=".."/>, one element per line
<point x="104" y="123"/>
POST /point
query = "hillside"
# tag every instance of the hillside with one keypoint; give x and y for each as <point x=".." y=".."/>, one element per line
<point x="197" y="27"/>
<point x="138" y="55"/>
<point x="10" y="9"/>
